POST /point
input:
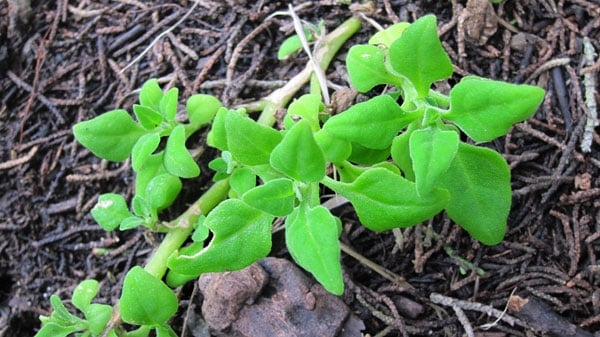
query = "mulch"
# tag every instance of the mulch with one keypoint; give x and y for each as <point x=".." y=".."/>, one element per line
<point x="63" y="61"/>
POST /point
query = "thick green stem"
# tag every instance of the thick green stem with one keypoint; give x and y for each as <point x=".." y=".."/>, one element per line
<point x="183" y="227"/>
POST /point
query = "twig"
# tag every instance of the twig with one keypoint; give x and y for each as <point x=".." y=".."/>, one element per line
<point x="19" y="161"/>
<point x="462" y="318"/>
<point x="589" y="82"/>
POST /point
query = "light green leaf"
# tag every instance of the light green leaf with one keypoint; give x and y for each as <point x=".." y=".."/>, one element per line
<point x="53" y="329"/>
<point x="289" y="46"/>
<point x="431" y="150"/>
<point x="384" y="200"/>
<point x="486" y="109"/>
<point x="146" y="300"/>
<point x="242" y="236"/>
<point x="275" y="197"/>
<point x="84" y="293"/>
<point x="307" y="107"/>
<point x="419" y="55"/>
<point x="298" y="155"/>
<point x="202" y="109"/>
<point x="311" y="235"/>
<point x="366" y="156"/>
<point x="372" y="124"/>
<point x="400" y="152"/>
<point x="249" y="142"/>
<point x="98" y="316"/>
<point x="334" y="149"/>
<point x="242" y="179"/>
<point x="151" y="94"/>
<point x="178" y="161"/>
<point x="162" y="190"/>
<point x="164" y="330"/>
<point x="366" y="68"/>
<point x="480" y="195"/>
<point x="131" y="223"/>
<point x="153" y="166"/>
<point x="148" y="117"/>
<point x="168" y="104"/>
<point x="109" y="136"/>
<point x="217" y="136"/>
<point x="110" y="210"/>
<point x="387" y="36"/>
<point x="143" y="148"/>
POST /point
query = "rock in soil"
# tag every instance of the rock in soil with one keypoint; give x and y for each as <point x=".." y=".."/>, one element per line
<point x="273" y="298"/>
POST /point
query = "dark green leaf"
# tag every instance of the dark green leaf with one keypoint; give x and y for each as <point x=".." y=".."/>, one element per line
<point x="298" y="155"/>
<point x="311" y="235"/>
<point x="249" y="142"/>
<point x="432" y="150"/>
<point x="275" y="197"/>
<point x="110" y="210"/>
<point x="109" y="136"/>
<point x="372" y="124"/>
<point x="384" y="200"/>
<point x="480" y="195"/>
<point x="146" y="300"/>
<point x="419" y="55"/>
<point x="366" y="156"/>
<point x="242" y="236"/>
<point x="486" y="109"/>
<point x="178" y="161"/>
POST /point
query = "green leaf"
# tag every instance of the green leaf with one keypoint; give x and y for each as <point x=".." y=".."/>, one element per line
<point x="84" y="293"/>
<point x="480" y="195"/>
<point x="486" y="109"/>
<point x="110" y="210"/>
<point x="178" y="161"/>
<point x="366" y="156"/>
<point x="162" y="190"/>
<point x="400" y="152"/>
<point x="143" y="148"/>
<point x="419" y="55"/>
<point x="164" y="330"/>
<point x="153" y="166"/>
<point x="249" y="142"/>
<point x="242" y="236"/>
<point x="298" y="155"/>
<point x="131" y="223"/>
<point x="384" y="200"/>
<point x="289" y="46"/>
<point x="202" y="109"/>
<point x="242" y="179"/>
<point x="372" y="124"/>
<point x="307" y="107"/>
<point x="275" y="197"/>
<point x="53" y="329"/>
<point x="151" y="94"/>
<point x="142" y="208"/>
<point x="98" y="316"/>
<point x="387" y="36"/>
<point x="148" y="117"/>
<point x="334" y="149"/>
<point x="431" y="150"/>
<point x="146" y="300"/>
<point x="62" y="316"/>
<point x="109" y="136"/>
<point x="311" y="235"/>
<point x="201" y="232"/>
<point x="367" y="69"/>
<point x="168" y="104"/>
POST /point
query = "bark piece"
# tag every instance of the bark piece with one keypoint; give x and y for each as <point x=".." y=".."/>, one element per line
<point x="289" y="304"/>
<point x="542" y="318"/>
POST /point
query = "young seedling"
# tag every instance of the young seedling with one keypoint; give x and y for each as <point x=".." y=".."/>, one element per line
<point x="399" y="156"/>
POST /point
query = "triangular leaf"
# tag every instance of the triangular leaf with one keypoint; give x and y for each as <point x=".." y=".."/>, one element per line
<point x="109" y="136"/>
<point x="148" y="117"/>
<point x="384" y="200"/>
<point x="419" y="55"/>
<point x="242" y="236"/>
<point x="151" y="94"/>
<point x="367" y="69"/>
<point x="146" y="300"/>
<point x="431" y="151"/>
<point x="480" y="195"/>
<point x="311" y="235"/>
<point x="168" y="104"/>
<point x="249" y="142"/>
<point x="298" y="156"/>
<point x="372" y="124"/>
<point x="275" y="197"/>
<point x="486" y="109"/>
<point x="178" y="161"/>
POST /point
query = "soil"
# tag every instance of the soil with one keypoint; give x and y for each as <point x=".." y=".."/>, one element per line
<point x="64" y="61"/>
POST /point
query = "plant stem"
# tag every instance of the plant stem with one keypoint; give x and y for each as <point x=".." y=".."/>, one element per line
<point x="183" y="226"/>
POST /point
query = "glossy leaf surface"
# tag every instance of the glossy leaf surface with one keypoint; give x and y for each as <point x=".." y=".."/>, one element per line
<point x="486" y="109"/>
<point x="298" y="156"/>
<point x="372" y="124"/>
<point x="480" y="196"/>
<point x="384" y="200"/>
<point x="311" y="235"/>
<point x="242" y="236"/>
<point x="110" y="136"/>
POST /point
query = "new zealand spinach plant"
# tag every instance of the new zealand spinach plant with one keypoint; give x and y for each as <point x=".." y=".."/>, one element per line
<point x="400" y="158"/>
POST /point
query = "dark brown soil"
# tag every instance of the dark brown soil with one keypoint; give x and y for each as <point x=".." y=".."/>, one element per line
<point x="63" y="61"/>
